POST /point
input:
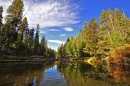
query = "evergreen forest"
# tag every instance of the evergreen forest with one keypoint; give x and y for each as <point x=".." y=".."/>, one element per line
<point x="16" y="38"/>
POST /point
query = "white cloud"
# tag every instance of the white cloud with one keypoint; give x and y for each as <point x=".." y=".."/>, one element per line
<point x="50" y="36"/>
<point x="53" y="29"/>
<point x="48" y="13"/>
<point x="43" y="32"/>
<point x="63" y="35"/>
<point x="69" y="29"/>
<point x="46" y="31"/>
<point x="56" y="41"/>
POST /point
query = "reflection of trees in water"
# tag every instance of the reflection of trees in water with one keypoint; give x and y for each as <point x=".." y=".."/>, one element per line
<point x="18" y="73"/>
<point x="120" y="73"/>
<point x="101" y="75"/>
<point x="71" y="74"/>
<point x="76" y="74"/>
<point x="80" y="74"/>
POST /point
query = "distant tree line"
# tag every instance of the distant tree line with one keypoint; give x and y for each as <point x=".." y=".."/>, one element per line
<point x="98" y="37"/>
<point x="15" y="36"/>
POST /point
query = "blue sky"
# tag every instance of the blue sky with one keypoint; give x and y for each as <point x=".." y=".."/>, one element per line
<point x="59" y="19"/>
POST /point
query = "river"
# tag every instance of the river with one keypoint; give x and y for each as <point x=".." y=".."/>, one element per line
<point x="62" y="74"/>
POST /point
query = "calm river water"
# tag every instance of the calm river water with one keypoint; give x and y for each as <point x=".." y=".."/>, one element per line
<point x="62" y="74"/>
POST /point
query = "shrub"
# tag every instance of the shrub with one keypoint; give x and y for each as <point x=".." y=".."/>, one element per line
<point x="119" y="55"/>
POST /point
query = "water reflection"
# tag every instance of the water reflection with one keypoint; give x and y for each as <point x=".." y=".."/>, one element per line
<point x="22" y="74"/>
<point x="53" y="78"/>
<point x="120" y="73"/>
<point x="81" y="74"/>
<point x="63" y="74"/>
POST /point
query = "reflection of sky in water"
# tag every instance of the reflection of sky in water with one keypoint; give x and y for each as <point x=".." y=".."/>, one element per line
<point x="53" y="78"/>
<point x="51" y="73"/>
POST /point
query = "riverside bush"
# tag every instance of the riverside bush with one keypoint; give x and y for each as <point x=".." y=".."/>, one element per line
<point x="119" y="55"/>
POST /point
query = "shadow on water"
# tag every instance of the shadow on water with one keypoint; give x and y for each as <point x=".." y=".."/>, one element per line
<point x="63" y="74"/>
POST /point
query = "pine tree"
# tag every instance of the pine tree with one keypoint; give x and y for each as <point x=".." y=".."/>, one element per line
<point x="104" y="33"/>
<point x="117" y="14"/>
<point x="13" y="20"/>
<point x="1" y="29"/>
<point x="110" y="19"/>
<point x="28" y="41"/>
<point x="36" y="40"/>
<point x="92" y="39"/>
<point x="85" y="33"/>
<point x="43" y="46"/>
<point x="79" y="45"/>
<point x="103" y="16"/>
<point x="117" y="35"/>
<point x="21" y="29"/>
<point x="15" y="12"/>
<point x="1" y="17"/>
<point x="61" y="51"/>
<point x="31" y="41"/>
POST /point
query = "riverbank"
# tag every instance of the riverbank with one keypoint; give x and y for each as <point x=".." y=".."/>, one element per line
<point x="10" y="58"/>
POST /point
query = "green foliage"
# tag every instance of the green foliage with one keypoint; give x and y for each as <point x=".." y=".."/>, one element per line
<point x="72" y="48"/>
